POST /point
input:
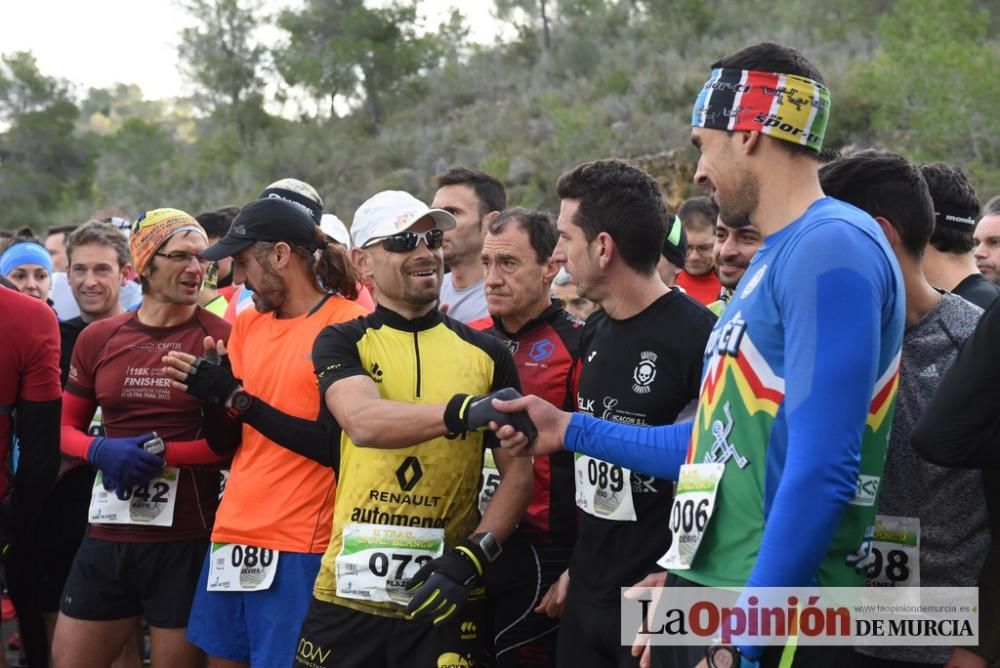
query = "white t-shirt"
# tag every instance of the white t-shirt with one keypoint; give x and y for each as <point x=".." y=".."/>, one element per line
<point x="466" y="304"/>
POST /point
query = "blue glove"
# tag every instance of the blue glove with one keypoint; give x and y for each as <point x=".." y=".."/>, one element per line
<point x="125" y="460"/>
<point x="112" y="485"/>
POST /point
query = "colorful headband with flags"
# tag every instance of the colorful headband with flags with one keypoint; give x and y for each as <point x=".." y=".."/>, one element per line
<point x="152" y="229"/>
<point x="784" y="106"/>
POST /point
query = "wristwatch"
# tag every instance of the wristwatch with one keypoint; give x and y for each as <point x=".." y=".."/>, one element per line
<point x="723" y="656"/>
<point x="239" y="402"/>
<point x="488" y="543"/>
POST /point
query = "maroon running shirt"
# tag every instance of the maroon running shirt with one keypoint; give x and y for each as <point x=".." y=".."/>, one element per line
<point x="29" y="361"/>
<point x="117" y="365"/>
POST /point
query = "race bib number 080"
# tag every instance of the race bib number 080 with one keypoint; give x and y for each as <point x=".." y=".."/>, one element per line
<point x="235" y="567"/>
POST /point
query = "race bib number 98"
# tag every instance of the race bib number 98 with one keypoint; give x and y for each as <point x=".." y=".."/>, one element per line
<point x="376" y="560"/>
<point x="895" y="553"/>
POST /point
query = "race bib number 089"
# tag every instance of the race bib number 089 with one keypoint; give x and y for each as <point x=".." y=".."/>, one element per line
<point x="604" y="490"/>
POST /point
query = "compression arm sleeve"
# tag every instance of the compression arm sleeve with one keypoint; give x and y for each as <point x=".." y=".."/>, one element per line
<point x="831" y="308"/>
<point x="77" y="412"/>
<point x="318" y="440"/>
<point x="221" y="436"/>
<point x="961" y="425"/>
<point x="655" y="451"/>
<point x="38" y="431"/>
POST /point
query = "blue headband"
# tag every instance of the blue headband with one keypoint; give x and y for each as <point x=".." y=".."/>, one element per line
<point x="24" y="253"/>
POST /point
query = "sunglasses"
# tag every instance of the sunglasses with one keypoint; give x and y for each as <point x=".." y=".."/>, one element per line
<point x="404" y="242"/>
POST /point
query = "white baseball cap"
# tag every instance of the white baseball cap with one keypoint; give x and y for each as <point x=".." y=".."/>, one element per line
<point x="391" y="212"/>
<point x="334" y="228"/>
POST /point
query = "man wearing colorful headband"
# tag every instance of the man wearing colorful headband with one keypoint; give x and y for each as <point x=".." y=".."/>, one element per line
<point x="800" y="372"/>
<point x="157" y="490"/>
<point x="948" y="261"/>
<point x="409" y="548"/>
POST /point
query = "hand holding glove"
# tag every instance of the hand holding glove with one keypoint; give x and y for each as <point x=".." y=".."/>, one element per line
<point x="441" y="586"/>
<point x="470" y="413"/>
<point x="124" y="461"/>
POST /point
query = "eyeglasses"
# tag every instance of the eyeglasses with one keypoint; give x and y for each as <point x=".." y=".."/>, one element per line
<point x="404" y="242"/>
<point x="702" y="249"/>
<point x="182" y="257"/>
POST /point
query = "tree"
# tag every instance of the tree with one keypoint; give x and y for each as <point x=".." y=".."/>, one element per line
<point x="343" y="48"/>
<point x="222" y="56"/>
<point x="43" y="162"/>
<point x="535" y="10"/>
<point x="933" y="95"/>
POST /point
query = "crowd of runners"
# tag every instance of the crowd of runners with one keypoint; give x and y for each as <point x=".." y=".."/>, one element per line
<point x="450" y="434"/>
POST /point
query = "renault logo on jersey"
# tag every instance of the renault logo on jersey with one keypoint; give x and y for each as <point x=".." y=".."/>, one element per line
<point x="409" y="473"/>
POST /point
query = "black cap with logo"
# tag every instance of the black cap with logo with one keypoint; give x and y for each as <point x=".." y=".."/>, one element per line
<point x="265" y="220"/>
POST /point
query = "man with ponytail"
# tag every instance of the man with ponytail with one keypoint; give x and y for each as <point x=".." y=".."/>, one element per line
<point x="275" y="516"/>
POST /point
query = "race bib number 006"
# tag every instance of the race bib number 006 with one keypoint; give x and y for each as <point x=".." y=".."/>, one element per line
<point x="151" y="504"/>
<point x="694" y="502"/>
<point x="604" y="490"/>
<point x="376" y="560"/>
<point x="235" y="567"/>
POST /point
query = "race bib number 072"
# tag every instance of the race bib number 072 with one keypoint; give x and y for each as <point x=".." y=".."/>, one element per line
<point x="376" y="560"/>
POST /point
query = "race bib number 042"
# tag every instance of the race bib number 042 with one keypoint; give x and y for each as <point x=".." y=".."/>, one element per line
<point x="694" y="502"/>
<point x="235" y="567"/>
<point x="151" y="504"/>
<point x="376" y="560"/>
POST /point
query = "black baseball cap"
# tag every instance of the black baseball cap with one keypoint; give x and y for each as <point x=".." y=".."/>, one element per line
<point x="265" y="220"/>
<point x="675" y="244"/>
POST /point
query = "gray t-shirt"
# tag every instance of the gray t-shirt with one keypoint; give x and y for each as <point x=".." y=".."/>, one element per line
<point x="466" y="304"/>
<point x="949" y="503"/>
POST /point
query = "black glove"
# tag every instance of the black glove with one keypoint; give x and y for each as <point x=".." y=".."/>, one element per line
<point x="441" y="586"/>
<point x="469" y="413"/>
<point x="211" y="380"/>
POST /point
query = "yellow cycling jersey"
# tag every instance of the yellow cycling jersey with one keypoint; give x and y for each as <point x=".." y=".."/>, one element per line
<point x="398" y="508"/>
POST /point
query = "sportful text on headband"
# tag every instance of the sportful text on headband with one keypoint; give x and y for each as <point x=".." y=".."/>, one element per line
<point x="783" y="106"/>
